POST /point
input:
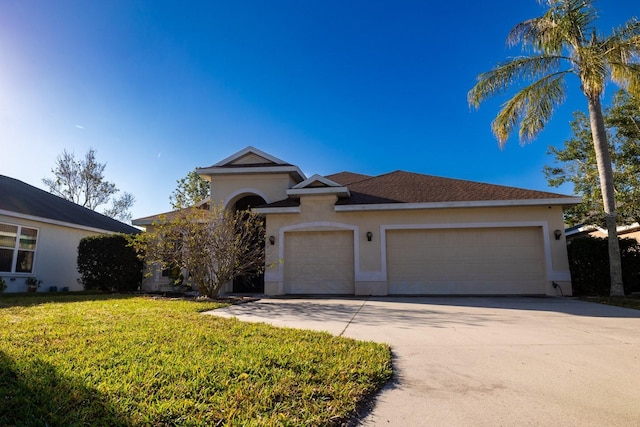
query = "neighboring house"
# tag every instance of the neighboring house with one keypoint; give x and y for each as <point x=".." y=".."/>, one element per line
<point x="40" y="233"/>
<point x="624" y="231"/>
<point x="398" y="233"/>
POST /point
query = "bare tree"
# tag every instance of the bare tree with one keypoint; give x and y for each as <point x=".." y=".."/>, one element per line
<point x="83" y="182"/>
<point x="214" y="246"/>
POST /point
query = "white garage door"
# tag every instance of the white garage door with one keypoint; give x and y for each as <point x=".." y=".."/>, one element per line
<point x="318" y="262"/>
<point x="466" y="261"/>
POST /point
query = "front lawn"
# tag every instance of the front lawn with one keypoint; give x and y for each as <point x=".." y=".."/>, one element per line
<point x="125" y="361"/>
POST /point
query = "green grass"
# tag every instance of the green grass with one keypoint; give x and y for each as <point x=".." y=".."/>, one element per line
<point x="626" y="302"/>
<point x="128" y="361"/>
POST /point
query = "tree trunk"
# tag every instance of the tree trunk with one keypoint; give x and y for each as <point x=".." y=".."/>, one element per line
<point x="605" y="172"/>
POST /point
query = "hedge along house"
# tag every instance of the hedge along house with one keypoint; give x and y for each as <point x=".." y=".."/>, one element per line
<point x="40" y="233"/>
<point x="399" y="233"/>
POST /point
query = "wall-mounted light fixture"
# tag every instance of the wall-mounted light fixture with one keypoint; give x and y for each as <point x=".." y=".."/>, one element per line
<point x="369" y="236"/>
<point x="272" y="240"/>
<point x="557" y="234"/>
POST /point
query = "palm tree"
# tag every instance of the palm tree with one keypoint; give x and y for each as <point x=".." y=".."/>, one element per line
<point x="560" y="43"/>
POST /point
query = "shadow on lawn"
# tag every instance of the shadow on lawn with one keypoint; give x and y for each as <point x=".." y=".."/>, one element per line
<point x="30" y="299"/>
<point x="32" y="393"/>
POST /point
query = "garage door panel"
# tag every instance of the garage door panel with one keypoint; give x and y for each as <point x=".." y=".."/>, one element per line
<point x="466" y="261"/>
<point x="319" y="262"/>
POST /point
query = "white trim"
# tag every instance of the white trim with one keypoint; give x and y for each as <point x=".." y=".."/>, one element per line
<point x="340" y="191"/>
<point x="250" y="170"/>
<point x="471" y="204"/>
<point x="318" y="178"/>
<point x="282" y="210"/>
<point x="55" y="222"/>
<point x="246" y="191"/>
<point x="550" y="273"/>
<point x="250" y="150"/>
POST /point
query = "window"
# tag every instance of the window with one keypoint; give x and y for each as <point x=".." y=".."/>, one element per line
<point x="17" y="248"/>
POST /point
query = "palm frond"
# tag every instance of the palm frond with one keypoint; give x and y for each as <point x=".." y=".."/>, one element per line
<point x="563" y="25"/>
<point x="503" y="76"/>
<point x="626" y="33"/>
<point x="627" y="76"/>
<point x="532" y="107"/>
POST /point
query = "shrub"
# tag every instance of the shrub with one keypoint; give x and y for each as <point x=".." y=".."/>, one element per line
<point x="108" y="263"/>
<point x="589" y="265"/>
<point x="3" y="285"/>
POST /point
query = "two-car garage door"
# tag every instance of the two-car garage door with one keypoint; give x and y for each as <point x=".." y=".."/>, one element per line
<point x="466" y="261"/>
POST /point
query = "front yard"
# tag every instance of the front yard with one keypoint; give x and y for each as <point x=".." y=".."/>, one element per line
<point x="125" y="361"/>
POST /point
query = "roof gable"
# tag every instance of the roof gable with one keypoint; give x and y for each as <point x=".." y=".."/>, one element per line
<point x="250" y="156"/>
<point x="23" y="200"/>
<point x="318" y="185"/>
<point x="250" y="160"/>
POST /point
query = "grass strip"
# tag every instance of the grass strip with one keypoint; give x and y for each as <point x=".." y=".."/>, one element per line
<point x="630" y="301"/>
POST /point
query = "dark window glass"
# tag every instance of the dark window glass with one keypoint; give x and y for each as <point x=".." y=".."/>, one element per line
<point x="6" y="257"/>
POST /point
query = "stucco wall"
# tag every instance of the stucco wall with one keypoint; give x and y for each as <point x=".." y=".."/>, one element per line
<point x="56" y="257"/>
<point x="229" y="188"/>
<point x="318" y="212"/>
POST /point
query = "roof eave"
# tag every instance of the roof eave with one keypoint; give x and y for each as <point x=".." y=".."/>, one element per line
<point x="278" y="210"/>
<point x="294" y="171"/>
<point x="63" y="223"/>
<point x="319" y="191"/>
<point x="564" y="202"/>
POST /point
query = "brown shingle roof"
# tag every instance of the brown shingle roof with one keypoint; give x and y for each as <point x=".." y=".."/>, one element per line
<point x="347" y="178"/>
<point x="408" y="187"/>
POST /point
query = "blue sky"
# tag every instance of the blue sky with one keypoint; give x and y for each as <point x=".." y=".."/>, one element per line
<point x="160" y="87"/>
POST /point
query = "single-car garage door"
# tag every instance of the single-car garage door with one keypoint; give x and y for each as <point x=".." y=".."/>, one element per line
<point x="466" y="261"/>
<point x="318" y="262"/>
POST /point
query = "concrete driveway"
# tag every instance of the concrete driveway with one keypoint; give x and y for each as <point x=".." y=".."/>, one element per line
<point x="485" y="361"/>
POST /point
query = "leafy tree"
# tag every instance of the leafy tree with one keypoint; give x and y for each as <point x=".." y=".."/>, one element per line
<point x="191" y="190"/>
<point x="83" y="182"/>
<point x="576" y="164"/>
<point x="563" y="42"/>
<point x="214" y="246"/>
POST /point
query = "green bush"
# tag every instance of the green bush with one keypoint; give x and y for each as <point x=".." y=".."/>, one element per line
<point x="589" y="265"/>
<point x="108" y="263"/>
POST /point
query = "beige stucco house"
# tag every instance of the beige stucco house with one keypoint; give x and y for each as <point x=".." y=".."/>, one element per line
<point x="40" y="233"/>
<point x="399" y="233"/>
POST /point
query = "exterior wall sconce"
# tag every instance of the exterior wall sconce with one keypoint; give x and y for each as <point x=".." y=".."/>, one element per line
<point x="272" y="240"/>
<point x="369" y="236"/>
<point x="557" y="234"/>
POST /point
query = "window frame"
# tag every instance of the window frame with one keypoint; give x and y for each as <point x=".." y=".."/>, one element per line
<point x="17" y="249"/>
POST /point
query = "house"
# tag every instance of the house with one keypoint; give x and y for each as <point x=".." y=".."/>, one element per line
<point x="399" y="233"/>
<point x="40" y="233"/>
<point x="624" y="231"/>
